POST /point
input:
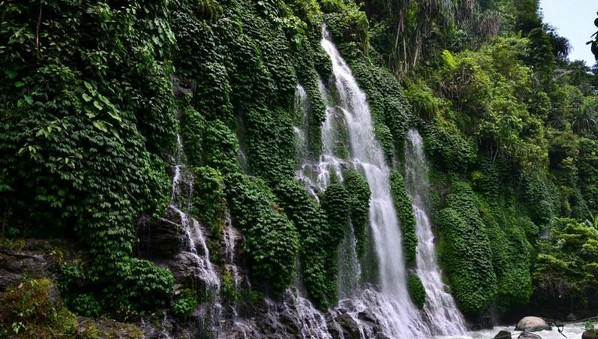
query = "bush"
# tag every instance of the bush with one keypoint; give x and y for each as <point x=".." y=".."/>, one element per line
<point x="359" y="202"/>
<point x="128" y="295"/>
<point x="312" y="227"/>
<point x="404" y="209"/>
<point x="416" y="289"/>
<point x="272" y="241"/>
<point x="30" y="310"/>
<point x="184" y="305"/>
<point x="209" y="199"/>
<point x="465" y="251"/>
<point x="85" y="304"/>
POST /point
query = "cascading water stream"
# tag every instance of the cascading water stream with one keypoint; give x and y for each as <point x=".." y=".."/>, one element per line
<point x="440" y="307"/>
<point x="182" y="192"/>
<point x="300" y="118"/>
<point x="230" y="238"/>
<point x="391" y="304"/>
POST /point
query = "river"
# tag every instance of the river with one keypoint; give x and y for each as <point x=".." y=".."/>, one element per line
<point x="571" y="331"/>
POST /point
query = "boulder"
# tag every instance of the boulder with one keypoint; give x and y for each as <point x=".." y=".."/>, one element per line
<point x="532" y="324"/>
<point x="16" y="264"/>
<point x="350" y="326"/>
<point x="164" y="236"/>
<point x="589" y="334"/>
<point x="184" y="268"/>
<point x="528" y="335"/>
<point x="503" y="335"/>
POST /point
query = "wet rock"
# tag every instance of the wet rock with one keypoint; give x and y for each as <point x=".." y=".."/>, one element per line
<point x="164" y="236"/>
<point x="16" y="264"/>
<point x="532" y="324"/>
<point x="589" y="334"/>
<point x="182" y="87"/>
<point x="528" y="335"/>
<point x="350" y="326"/>
<point x="503" y="335"/>
<point x="183" y="267"/>
<point x="367" y="316"/>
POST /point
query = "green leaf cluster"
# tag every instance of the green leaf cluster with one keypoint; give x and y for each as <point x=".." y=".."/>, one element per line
<point x="416" y="289"/>
<point x="403" y="205"/>
<point x="566" y="265"/>
<point x="272" y="240"/>
<point x="85" y="147"/>
<point x="29" y="311"/>
<point x="465" y="250"/>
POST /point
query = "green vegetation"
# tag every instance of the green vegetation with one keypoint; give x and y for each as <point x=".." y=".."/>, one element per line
<point x="567" y="262"/>
<point x="405" y="214"/>
<point x="359" y="203"/>
<point x="28" y="311"/>
<point x="272" y="240"/>
<point x="416" y="290"/>
<point x="94" y="94"/>
<point x="185" y="304"/>
<point x="316" y="248"/>
<point x="465" y="250"/>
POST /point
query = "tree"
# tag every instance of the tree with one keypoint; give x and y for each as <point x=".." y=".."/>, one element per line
<point x="594" y="43"/>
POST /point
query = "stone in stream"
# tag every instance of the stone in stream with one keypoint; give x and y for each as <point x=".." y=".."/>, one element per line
<point x="527" y="335"/>
<point x="589" y="334"/>
<point x="532" y="324"/>
<point x="503" y="335"/>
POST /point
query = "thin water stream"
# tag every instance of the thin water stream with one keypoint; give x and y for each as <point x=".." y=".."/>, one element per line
<point x="440" y="308"/>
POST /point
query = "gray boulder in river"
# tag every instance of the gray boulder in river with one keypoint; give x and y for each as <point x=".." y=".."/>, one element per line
<point x="503" y="335"/>
<point x="589" y="334"/>
<point x="528" y="335"/>
<point x="532" y="324"/>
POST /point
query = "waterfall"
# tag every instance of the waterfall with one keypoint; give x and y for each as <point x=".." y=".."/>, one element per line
<point x="301" y="108"/>
<point x="349" y="269"/>
<point x="392" y="303"/>
<point x="230" y="238"/>
<point x="440" y="308"/>
<point x="180" y="203"/>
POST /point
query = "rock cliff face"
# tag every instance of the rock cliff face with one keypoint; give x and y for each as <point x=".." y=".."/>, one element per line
<point x="24" y="260"/>
<point x="32" y="302"/>
<point x="239" y="315"/>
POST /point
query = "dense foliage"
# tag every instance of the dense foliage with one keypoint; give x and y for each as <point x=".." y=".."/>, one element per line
<point x="87" y="115"/>
<point x="508" y="114"/>
<point x="405" y="212"/>
<point x="95" y="96"/>
<point x="416" y="290"/>
<point x="29" y="312"/>
<point x="567" y="265"/>
<point x="465" y="250"/>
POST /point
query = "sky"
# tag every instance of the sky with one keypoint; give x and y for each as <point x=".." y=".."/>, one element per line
<point x="574" y="19"/>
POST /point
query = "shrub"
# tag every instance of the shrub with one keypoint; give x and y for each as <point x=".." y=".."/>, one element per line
<point x="416" y="289"/>
<point x="465" y="251"/>
<point x="30" y="310"/>
<point x="404" y="209"/>
<point x="184" y="305"/>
